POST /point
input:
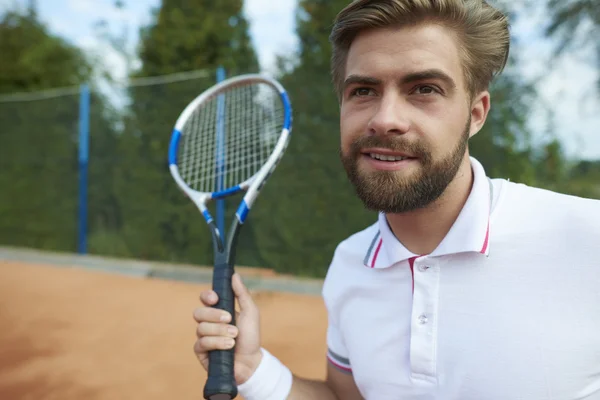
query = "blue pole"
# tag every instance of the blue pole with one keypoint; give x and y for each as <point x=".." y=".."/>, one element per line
<point x="220" y="156"/>
<point x="84" y="132"/>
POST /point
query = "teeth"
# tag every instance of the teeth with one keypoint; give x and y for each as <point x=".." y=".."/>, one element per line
<point x="387" y="158"/>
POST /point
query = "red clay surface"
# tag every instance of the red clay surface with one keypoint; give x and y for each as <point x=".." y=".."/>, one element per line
<point x="73" y="334"/>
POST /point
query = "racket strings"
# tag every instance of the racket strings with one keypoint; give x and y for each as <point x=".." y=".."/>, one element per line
<point x="230" y="137"/>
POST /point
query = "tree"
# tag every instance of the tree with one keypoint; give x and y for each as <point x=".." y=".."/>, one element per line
<point x="33" y="59"/>
<point x="39" y="151"/>
<point x="584" y="179"/>
<point x="158" y="221"/>
<point x="194" y="35"/>
<point x="575" y="24"/>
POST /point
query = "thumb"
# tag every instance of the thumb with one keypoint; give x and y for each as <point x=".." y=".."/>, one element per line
<point x="242" y="293"/>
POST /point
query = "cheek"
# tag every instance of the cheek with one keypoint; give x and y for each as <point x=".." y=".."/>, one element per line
<point x="353" y="123"/>
<point x="347" y="127"/>
<point x="443" y="130"/>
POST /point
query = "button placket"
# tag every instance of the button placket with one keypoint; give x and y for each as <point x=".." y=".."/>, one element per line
<point x="424" y="326"/>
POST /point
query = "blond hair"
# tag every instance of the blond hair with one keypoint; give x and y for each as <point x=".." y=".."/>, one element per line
<point x="482" y="30"/>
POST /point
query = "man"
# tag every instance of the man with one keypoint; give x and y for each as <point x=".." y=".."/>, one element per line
<point x="466" y="288"/>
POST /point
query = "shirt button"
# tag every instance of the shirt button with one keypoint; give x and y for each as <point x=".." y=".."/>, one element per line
<point x="422" y="319"/>
<point x="423" y="268"/>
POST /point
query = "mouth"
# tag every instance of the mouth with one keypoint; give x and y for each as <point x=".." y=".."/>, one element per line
<point x="383" y="159"/>
<point x="382" y="154"/>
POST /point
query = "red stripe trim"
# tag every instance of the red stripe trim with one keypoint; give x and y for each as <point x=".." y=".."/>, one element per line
<point x="340" y="366"/>
<point x="411" y="262"/>
<point x="376" y="253"/>
<point x="487" y="238"/>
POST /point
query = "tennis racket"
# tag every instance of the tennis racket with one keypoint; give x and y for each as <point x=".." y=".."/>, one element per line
<point x="229" y="139"/>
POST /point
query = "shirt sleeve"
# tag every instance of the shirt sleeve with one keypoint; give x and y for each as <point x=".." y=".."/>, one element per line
<point x="337" y="354"/>
<point x="333" y="288"/>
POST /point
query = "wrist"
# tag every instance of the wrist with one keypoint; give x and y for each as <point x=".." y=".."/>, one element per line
<point x="271" y="380"/>
<point x="250" y="365"/>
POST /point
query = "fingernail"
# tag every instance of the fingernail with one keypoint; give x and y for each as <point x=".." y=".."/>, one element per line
<point x="229" y="342"/>
<point x="231" y="330"/>
<point x="224" y="317"/>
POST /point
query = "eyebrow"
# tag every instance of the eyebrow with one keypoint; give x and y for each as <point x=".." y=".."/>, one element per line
<point x="429" y="74"/>
<point x="361" y="80"/>
<point x="410" y="78"/>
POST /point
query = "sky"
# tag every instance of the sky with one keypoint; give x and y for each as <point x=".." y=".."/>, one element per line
<point x="566" y="85"/>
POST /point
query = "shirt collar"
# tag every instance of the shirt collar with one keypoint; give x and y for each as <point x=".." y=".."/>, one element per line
<point x="469" y="233"/>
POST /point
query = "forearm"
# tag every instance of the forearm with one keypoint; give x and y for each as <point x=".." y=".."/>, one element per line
<point x="304" y="389"/>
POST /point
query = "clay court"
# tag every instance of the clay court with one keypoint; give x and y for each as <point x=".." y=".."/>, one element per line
<point x="74" y="333"/>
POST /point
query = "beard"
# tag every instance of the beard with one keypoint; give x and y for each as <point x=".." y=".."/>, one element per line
<point x="386" y="191"/>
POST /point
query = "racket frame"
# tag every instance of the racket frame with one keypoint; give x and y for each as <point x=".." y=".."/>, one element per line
<point x="221" y="384"/>
<point x="252" y="185"/>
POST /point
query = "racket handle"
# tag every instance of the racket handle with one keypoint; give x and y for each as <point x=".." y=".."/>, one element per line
<point x="221" y="380"/>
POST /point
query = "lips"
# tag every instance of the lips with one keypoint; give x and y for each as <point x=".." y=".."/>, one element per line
<point x="386" y="155"/>
<point x="383" y="157"/>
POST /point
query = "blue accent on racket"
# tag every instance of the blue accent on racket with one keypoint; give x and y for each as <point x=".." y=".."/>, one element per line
<point x="173" y="147"/>
<point x="242" y="212"/>
<point x="226" y="192"/>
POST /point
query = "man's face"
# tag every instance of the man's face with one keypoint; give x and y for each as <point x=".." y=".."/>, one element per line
<point x="405" y="116"/>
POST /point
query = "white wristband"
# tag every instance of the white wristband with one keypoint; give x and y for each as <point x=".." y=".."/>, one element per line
<point x="271" y="381"/>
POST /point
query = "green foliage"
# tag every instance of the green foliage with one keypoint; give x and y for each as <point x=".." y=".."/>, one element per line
<point x="159" y="222"/>
<point x="567" y="17"/>
<point x="202" y="34"/>
<point x="33" y="59"/>
<point x="38" y="155"/>
<point x="135" y="208"/>
<point x="504" y="144"/>
<point x="575" y="24"/>
<point x="38" y="174"/>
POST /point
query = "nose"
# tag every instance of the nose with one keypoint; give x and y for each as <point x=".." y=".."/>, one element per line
<point x="390" y="117"/>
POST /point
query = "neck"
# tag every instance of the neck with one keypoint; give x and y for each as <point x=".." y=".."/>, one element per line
<point x="421" y="231"/>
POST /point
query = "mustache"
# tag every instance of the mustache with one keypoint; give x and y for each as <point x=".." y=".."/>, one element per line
<point x="399" y="144"/>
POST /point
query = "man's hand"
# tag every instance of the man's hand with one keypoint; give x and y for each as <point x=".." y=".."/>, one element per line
<point x="215" y="332"/>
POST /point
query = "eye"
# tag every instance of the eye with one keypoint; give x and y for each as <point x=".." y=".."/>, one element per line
<point x="426" y="89"/>
<point x="362" y="92"/>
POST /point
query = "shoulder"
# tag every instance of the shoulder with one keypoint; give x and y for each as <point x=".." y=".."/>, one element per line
<point x="349" y="258"/>
<point x="533" y="207"/>
<point x="544" y="198"/>
<point x="351" y="251"/>
<point x="355" y="247"/>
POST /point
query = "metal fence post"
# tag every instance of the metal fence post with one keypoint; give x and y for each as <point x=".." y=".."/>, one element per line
<point x="84" y="132"/>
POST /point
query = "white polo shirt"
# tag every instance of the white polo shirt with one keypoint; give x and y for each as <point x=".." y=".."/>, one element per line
<point x="506" y="308"/>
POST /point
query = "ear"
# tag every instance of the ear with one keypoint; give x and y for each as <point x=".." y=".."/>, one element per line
<point x="480" y="107"/>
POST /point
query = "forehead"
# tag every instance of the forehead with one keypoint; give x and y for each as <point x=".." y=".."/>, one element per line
<point x="393" y="52"/>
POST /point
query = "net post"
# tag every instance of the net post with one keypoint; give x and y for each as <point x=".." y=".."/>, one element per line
<point x="220" y="156"/>
<point x="84" y="131"/>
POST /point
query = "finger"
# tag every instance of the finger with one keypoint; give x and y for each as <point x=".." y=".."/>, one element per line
<point x="212" y="329"/>
<point x="209" y="314"/>
<point x="209" y="297"/>
<point x="242" y="293"/>
<point x="210" y="343"/>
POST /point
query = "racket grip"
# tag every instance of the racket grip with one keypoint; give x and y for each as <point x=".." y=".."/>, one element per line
<point x="221" y="380"/>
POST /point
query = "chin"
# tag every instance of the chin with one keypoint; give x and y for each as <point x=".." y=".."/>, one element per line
<point x="399" y="176"/>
